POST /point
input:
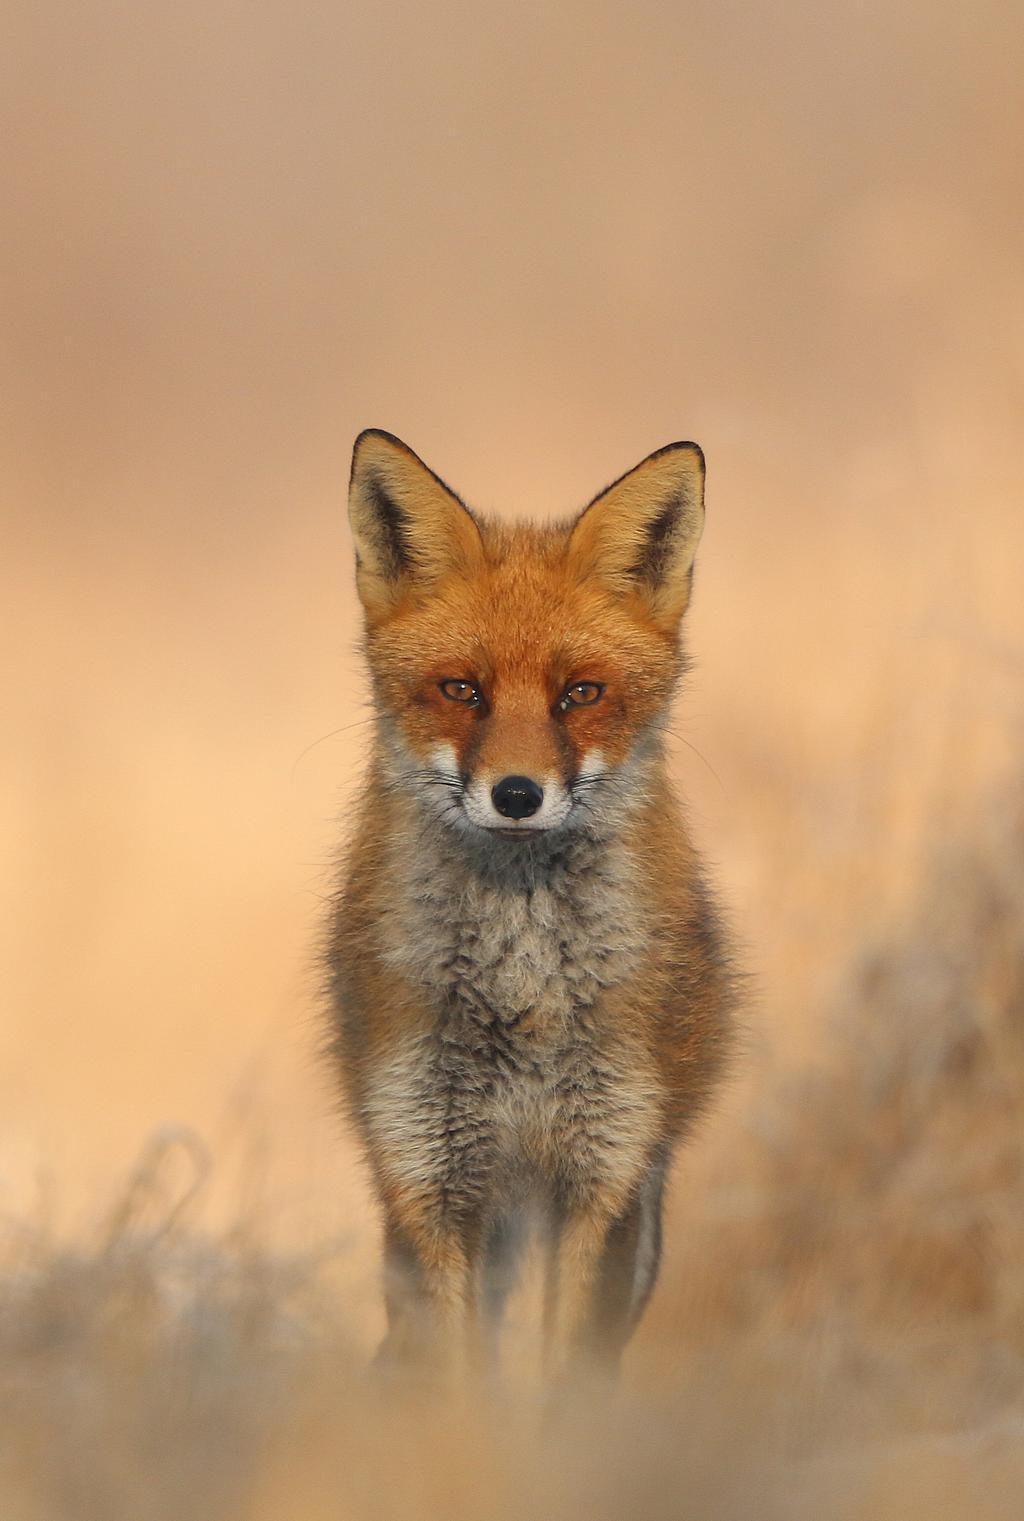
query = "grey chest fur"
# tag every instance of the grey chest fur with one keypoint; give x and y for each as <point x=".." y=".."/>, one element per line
<point x="518" y="1071"/>
<point x="519" y="935"/>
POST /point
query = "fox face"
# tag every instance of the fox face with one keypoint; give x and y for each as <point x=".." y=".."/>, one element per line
<point x="521" y="672"/>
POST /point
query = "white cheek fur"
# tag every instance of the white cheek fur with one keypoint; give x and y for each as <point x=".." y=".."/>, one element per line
<point x="444" y="760"/>
<point x="593" y="764"/>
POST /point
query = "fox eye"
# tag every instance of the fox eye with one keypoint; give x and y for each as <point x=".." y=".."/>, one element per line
<point x="461" y="691"/>
<point x="582" y="694"/>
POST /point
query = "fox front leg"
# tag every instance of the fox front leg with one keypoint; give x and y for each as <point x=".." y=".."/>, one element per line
<point x="574" y="1266"/>
<point x="432" y="1154"/>
<point x="435" y="1247"/>
<point x="602" y="1266"/>
<point x="428" y="1274"/>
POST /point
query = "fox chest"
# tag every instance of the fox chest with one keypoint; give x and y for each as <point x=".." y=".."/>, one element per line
<point x="535" y="949"/>
<point x="466" y="1114"/>
<point x="516" y="1069"/>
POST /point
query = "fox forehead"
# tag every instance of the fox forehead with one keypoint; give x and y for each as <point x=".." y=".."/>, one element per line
<point x="524" y="619"/>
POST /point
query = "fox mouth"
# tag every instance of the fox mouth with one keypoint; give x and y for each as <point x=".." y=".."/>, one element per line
<point x="514" y="829"/>
<point x="464" y="801"/>
<point x="457" y="808"/>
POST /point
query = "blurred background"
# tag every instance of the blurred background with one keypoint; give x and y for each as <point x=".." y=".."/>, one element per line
<point x="536" y="242"/>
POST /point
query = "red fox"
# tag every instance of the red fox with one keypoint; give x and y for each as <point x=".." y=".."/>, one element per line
<point x="531" y="995"/>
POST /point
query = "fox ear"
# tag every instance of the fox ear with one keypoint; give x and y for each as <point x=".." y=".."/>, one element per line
<point x="408" y="528"/>
<point x="641" y="534"/>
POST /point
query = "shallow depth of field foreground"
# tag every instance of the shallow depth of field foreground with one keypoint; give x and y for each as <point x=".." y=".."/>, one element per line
<point x="536" y="242"/>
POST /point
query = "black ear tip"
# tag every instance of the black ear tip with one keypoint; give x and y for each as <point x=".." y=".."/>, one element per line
<point x="375" y="435"/>
<point x="380" y="433"/>
<point x="683" y="445"/>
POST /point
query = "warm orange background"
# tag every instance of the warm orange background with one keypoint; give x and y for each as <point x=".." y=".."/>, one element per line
<point x="536" y="242"/>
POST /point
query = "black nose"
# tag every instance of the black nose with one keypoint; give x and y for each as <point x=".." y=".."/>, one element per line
<point x="516" y="797"/>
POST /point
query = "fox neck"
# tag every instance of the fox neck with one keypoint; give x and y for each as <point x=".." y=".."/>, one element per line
<point x="521" y="932"/>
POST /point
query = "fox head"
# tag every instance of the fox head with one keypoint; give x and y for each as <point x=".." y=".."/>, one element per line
<point x="521" y="671"/>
